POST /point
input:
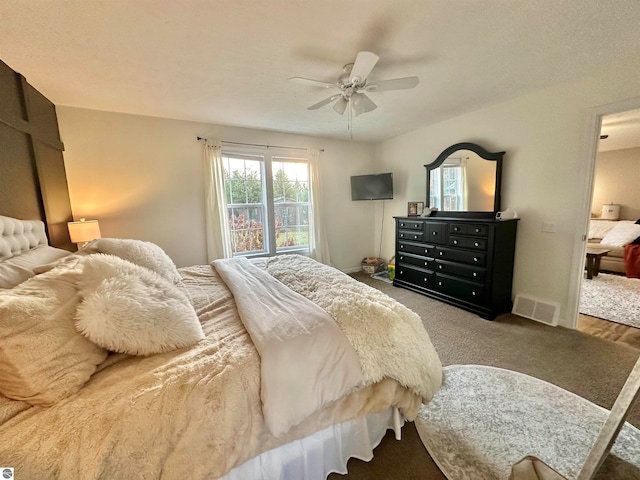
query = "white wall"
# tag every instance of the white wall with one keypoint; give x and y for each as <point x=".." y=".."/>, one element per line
<point x="548" y="140"/>
<point x="141" y="177"/>
<point x="618" y="181"/>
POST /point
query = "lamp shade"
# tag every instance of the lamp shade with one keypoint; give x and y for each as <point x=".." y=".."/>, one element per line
<point x="84" y="230"/>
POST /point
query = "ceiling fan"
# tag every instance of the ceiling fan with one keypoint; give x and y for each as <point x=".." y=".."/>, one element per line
<point x="352" y="84"/>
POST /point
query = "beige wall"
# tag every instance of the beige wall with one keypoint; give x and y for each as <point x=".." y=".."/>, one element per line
<point x="549" y="137"/>
<point x="141" y="177"/>
<point x="617" y="180"/>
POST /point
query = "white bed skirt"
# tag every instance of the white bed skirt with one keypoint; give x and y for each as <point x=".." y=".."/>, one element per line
<point x="316" y="456"/>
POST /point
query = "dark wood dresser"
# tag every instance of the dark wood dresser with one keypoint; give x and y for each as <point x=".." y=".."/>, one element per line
<point x="467" y="262"/>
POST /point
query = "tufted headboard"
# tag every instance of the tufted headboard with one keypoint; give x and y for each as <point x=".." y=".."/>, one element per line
<point x="19" y="236"/>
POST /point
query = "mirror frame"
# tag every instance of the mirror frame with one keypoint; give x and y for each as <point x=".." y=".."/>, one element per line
<point x="482" y="153"/>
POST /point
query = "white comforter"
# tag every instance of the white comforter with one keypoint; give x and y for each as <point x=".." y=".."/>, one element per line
<point x="196" y="412"/>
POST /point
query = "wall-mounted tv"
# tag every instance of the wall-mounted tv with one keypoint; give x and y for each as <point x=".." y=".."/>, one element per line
<point x="377" y="186"/>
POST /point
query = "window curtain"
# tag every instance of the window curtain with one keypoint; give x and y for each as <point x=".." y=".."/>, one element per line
<point x="217" y="225"/>
<point x="318" y="246"/>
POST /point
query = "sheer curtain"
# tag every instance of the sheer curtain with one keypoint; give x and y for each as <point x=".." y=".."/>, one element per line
<point x="216" y="223"/>
<point x="318" y="246"/>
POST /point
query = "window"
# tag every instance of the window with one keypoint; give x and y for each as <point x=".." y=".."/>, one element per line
<point x="447" y="186"/>
<point x="267" y="203"/>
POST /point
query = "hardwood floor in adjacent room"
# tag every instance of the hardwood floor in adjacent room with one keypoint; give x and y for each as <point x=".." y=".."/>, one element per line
<point x="612" y="331"/>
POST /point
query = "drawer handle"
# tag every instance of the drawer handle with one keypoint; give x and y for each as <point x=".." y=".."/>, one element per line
<point x="426" y="250"/>
<point x="442" y="254"/>
<point x="475" y="259"/>
<point x="434" y="233"/>
<point x="426" y="263"/>
<point x="475" y="274"/>
<point x="477" y="230"/>
<point x="476" y="244"/>
<point x="402" y="234"/>
<point x="455" y="242"/>
<point x="455" y="229"/>
<point x="401" y="246"/>
<point x="473" y="294"/>
<point x="401" y="257"/>
<point x="401" y="272"/>
<point x="439" y="284"/>
<point x="425" y="279"/>
<point x="415" y="236"/>
<point x="439" y="266"/>
<point x="402" y="224"/>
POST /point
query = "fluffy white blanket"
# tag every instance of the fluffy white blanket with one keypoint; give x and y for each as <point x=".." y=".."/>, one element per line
<point x="390" y="339"/>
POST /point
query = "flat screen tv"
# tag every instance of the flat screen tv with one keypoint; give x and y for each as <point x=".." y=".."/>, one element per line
<point x="377" y="186"/>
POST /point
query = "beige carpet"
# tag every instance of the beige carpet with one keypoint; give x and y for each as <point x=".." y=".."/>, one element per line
<point x="592" y="368"/>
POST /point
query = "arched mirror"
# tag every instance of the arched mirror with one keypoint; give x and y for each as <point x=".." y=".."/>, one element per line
<point x="465" y="178"/>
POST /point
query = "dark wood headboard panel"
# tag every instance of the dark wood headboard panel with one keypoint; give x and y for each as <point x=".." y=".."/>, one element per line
<point x="33" y="181"/>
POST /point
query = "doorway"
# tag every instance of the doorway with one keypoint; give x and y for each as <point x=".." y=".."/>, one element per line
<point x="608" y="301"/>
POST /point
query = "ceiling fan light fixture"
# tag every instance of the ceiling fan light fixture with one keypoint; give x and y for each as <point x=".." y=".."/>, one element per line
<point x="341" y="105"/>
<point x="360" y="104"/>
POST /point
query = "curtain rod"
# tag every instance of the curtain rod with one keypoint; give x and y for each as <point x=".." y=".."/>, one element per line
<point x="259" y="145"/>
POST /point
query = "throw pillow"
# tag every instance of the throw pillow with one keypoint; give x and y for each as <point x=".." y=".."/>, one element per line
<point x="145" y="254"/>
<point x="43" y="359"/>
<point x="622" y="234"/>
<point x="16" y="270"/>
<point x="131" y="309"/>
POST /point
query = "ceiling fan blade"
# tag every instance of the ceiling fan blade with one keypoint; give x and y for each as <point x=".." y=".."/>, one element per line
<point x="394" y="84"/>
<point x="313" y="83"/>
<point x="362" y="104"/>
<point x="365" y="61"/>
<point x="322" y="103"/>
<point x="341" y="105"/>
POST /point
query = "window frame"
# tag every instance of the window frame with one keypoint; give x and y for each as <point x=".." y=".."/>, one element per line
<point x="267" y="156"/>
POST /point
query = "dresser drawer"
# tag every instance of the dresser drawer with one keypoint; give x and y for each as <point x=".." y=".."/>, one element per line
<point x="458" y="269"/>
<point x="419" y="278"/>
<point x="468" y="242"/>
<point x="411" y="225"/>
<point x="435" y="232"/>
<point x="464" y="256"/>
<point x="462" y="289"/>
<point x="478" y="230"/>
<point x="423" y="262"/>
<point x="411" y="235"/>
<point x="416" y="248"/>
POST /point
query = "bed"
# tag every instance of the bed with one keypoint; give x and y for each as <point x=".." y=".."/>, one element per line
<point x="116" y="364"/>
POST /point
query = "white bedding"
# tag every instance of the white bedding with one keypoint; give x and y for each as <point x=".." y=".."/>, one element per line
<point x="285" y="328"/>
<point x="196" y="412"/>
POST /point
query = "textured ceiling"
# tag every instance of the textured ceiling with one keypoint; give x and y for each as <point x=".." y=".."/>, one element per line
<point x="228" y="61"/>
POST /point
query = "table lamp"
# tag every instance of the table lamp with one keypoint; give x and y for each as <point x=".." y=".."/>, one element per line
<point x="84" y="231"/>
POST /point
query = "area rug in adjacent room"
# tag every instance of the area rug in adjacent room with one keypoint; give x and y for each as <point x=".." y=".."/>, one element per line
<point x="484" y="419"/>
<point x="612" y="297"/>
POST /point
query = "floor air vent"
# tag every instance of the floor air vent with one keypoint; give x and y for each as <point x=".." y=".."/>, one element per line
<point x="538" y="310"/>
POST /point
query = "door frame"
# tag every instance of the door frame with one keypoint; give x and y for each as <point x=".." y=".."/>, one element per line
<point x="587" y="173"/>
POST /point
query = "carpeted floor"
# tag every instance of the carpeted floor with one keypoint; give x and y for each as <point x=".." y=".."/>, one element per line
<point x="592" y="368"/>
<point x="612" y="297"/>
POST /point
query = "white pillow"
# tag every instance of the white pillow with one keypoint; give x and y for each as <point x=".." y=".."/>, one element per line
<point x="600" y="228"/>
<point x="145" y="254"/>
<point x="131" y="309"/>
<point x="622" y="234"/>
<point x="16" y="270"/>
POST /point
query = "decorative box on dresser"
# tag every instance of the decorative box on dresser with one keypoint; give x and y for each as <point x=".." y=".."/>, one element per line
<point x="466" y="262"/>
